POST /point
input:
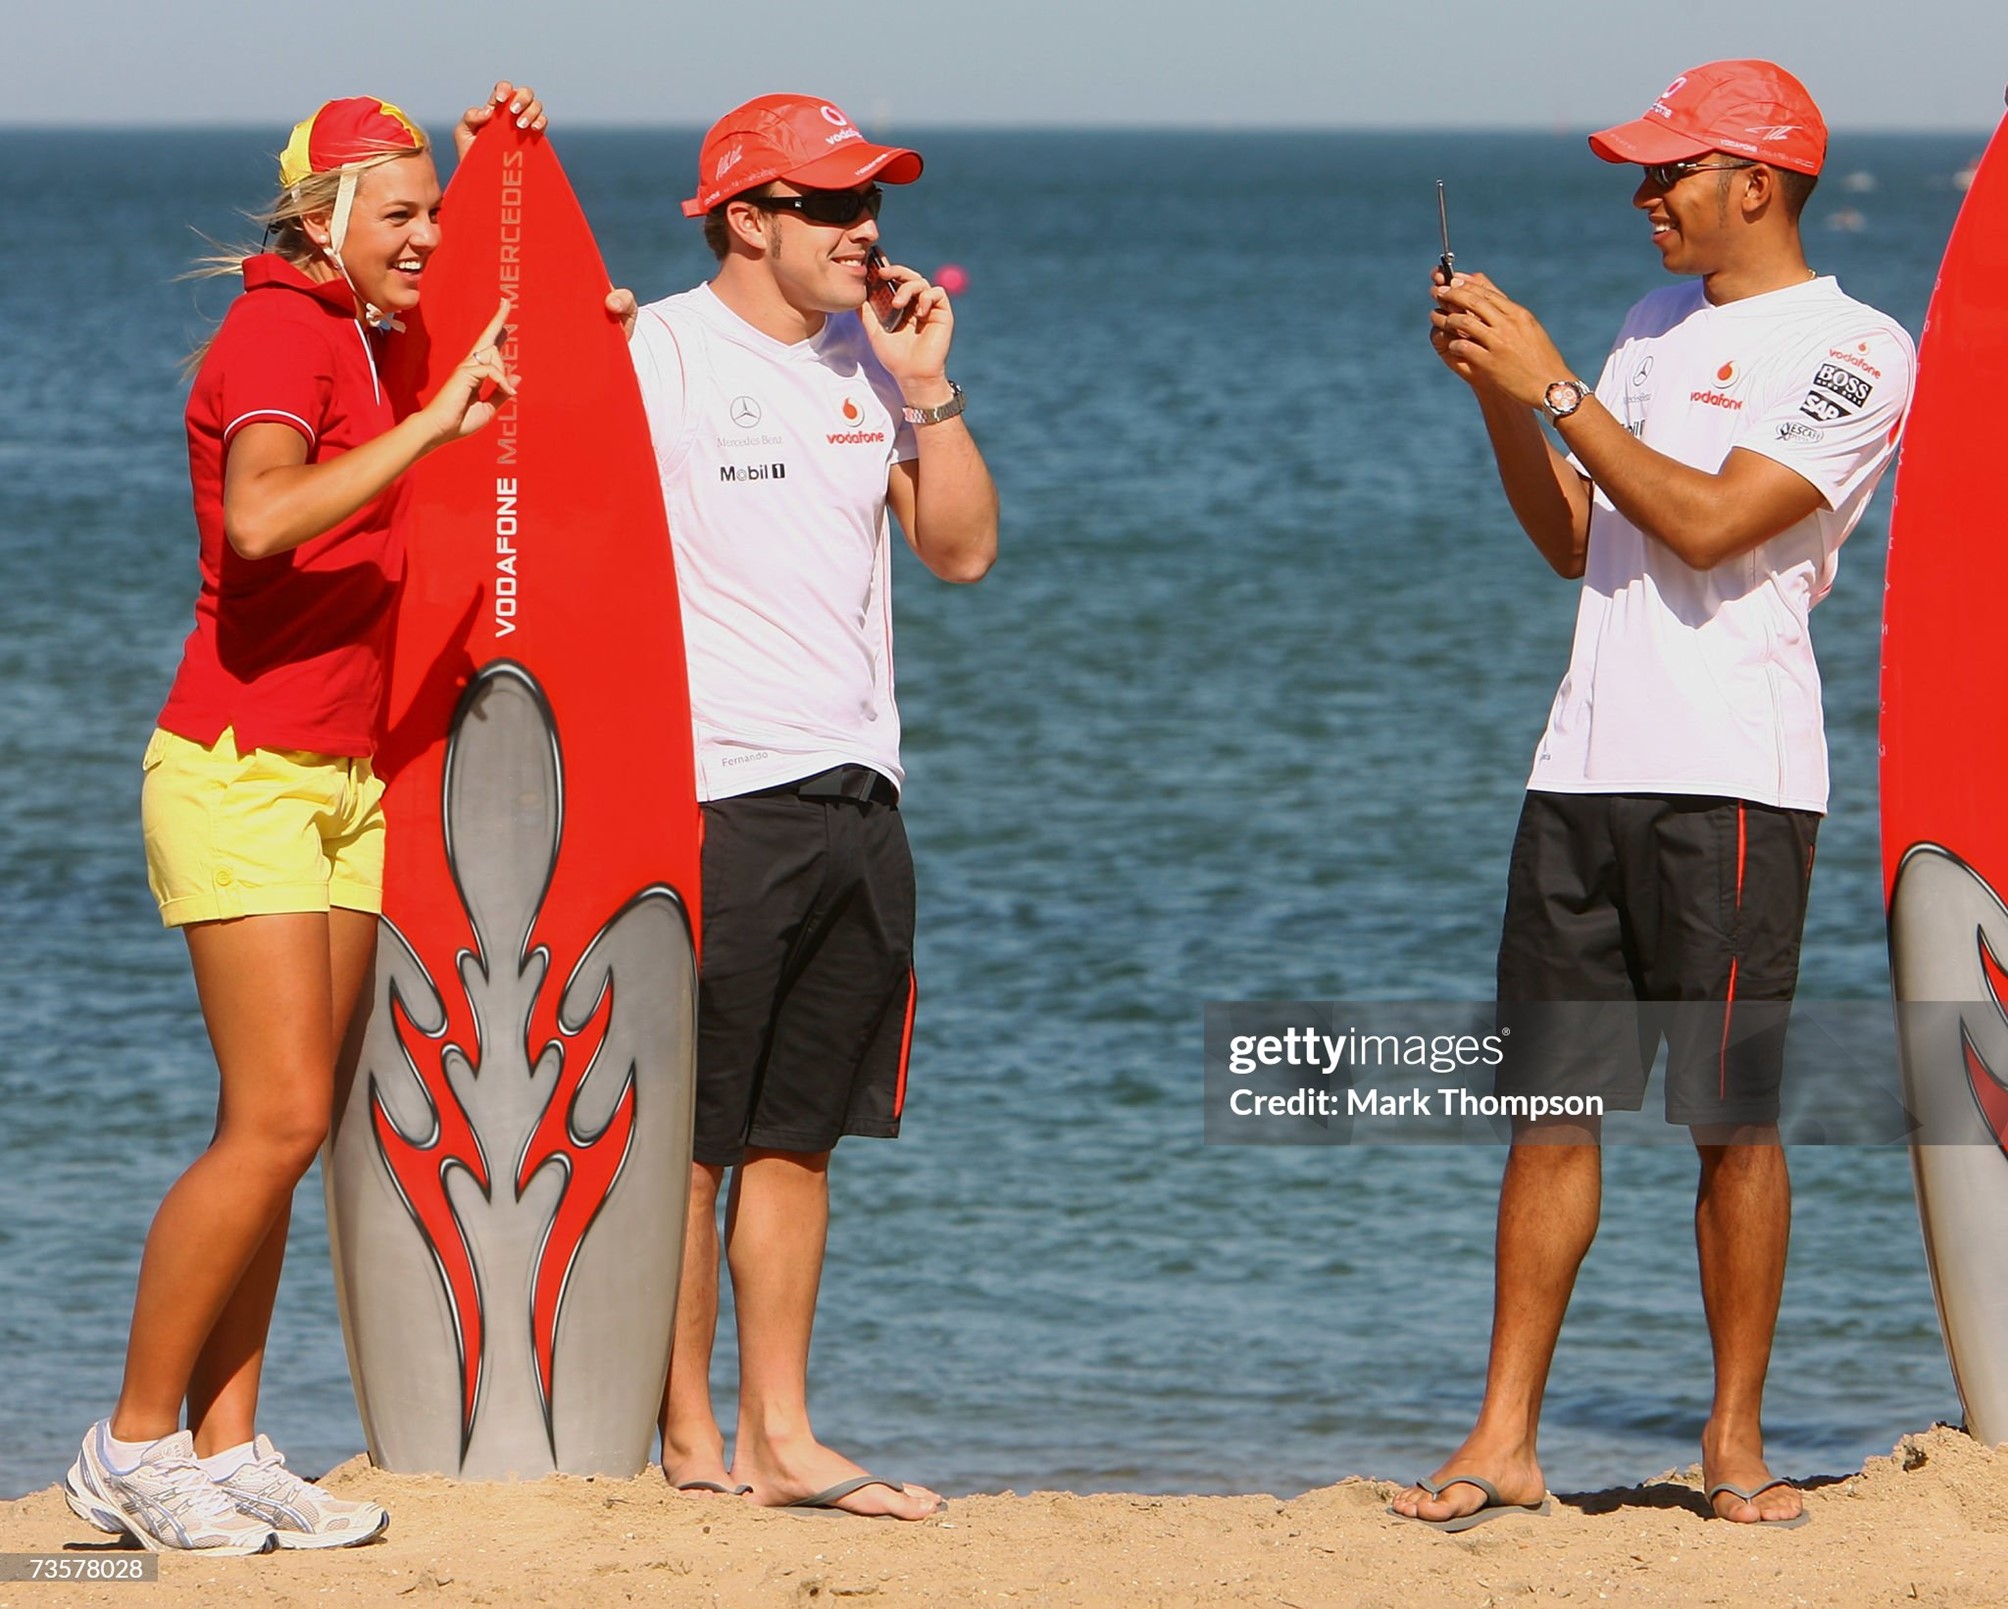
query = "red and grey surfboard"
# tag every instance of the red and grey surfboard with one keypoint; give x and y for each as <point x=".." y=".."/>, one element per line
<point x="509" y="1165"/>
<point x="1945" y="794"/>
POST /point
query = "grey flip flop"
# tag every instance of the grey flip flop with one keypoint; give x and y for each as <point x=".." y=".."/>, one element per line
<point x="713" y="1486"/>
<point x="1493" y="1508"/>
<point x="827" y="1501"/>
<point x="1750" y="1496"/>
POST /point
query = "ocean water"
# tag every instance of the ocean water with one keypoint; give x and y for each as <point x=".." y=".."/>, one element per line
<point x="1244" y="712"/>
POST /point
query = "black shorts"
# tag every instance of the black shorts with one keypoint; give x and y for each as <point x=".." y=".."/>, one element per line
<point x="1617" y="899"/>
<point x="806" y="993"/>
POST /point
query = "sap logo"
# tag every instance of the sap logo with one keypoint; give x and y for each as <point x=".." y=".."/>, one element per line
<point x="1792" y="430"/>
<point x="1715" y="399"/>
<point x="750" y="472"/>
<point x="1818" y="405"/>
<point x="1855" y="360"/>
<point x="1850" y="388"/>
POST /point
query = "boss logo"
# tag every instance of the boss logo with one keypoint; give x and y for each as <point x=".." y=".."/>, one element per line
<point x="1844" y="383"/>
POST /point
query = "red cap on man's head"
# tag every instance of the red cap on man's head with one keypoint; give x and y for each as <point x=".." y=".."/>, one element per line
<point x="1752" y="109"/>
<point x="799" y="138"/>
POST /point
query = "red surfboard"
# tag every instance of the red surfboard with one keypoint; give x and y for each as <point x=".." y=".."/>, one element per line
<point x="510" y="1158"/>
<point x="1945" y="793"/>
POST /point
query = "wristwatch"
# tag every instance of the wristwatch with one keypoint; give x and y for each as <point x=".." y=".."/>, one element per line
<point x="941" y="410"/>
<point x="1563" y="398"/>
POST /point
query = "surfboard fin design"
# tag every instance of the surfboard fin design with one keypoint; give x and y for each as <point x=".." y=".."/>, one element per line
<point x="1948" y="931"/>
<point x="1990" y="1094"/>
<point x="506" y="1144"/>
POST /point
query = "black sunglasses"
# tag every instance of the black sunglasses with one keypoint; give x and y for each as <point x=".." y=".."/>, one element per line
<point x="835" y="208"/>
<point x="1667" y="174"/>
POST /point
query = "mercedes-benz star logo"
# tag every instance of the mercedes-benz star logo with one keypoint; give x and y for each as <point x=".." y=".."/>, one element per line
<point x="745" y="412"/>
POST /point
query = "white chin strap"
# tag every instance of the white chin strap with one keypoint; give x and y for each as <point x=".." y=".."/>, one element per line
<point x="345" y="202"/>
<point x="338" y="232"/>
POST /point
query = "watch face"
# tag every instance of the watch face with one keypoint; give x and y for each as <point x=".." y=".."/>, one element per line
<point x="1564" y="397"/>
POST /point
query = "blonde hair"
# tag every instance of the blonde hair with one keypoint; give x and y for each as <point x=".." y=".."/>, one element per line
<point x="284" y="220"/>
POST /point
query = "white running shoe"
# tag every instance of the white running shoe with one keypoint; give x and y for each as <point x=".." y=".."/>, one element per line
<point x="165" y="1501"/>
<point x="298" y="1511"/>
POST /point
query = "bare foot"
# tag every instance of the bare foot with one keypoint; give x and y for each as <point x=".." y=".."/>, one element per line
<point x="699" y="1472"/>
<point x="785" y="1472"/>
<point x="1509" y="1466"/>
<point x="1730" y="1460"/>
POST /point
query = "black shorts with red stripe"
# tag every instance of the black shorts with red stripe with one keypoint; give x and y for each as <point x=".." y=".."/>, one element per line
<point x="806" y="994"/>
<point x="1632" y="918"/>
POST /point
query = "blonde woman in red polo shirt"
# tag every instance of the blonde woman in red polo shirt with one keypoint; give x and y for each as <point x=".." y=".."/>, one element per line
<point x="264" y="833"/>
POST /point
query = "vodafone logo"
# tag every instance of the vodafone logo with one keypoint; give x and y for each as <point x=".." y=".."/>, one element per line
<point x="1726" y="373"/>
<point x="1856" y="360"/>
<point x="1659" y="108"/>
<point x="835" y="118"/>
<point x="1715" y="399"/>
<point x="854" y="437"/>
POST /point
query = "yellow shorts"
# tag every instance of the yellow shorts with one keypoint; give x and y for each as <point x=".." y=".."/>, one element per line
<point x="256" y="834"/>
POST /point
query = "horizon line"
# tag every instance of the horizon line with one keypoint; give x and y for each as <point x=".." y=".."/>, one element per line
<point x="627" y="126"/>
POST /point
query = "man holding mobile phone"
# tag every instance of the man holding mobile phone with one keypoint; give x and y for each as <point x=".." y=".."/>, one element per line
<point x="1665" y="849"/>
<point x="786" y="426"/>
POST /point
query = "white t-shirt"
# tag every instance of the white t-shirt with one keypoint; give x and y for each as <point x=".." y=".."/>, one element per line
<point x="774" y="461"/>
<point x="1703" y="681"/>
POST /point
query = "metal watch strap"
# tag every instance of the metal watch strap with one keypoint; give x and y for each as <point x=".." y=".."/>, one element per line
<point x="941" y="410"/>
<point x="1547" y="397"/>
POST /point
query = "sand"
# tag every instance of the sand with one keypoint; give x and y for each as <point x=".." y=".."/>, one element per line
<point x="1929" y="1525"/>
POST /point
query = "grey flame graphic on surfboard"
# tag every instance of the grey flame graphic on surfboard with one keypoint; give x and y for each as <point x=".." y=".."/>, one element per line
<point x="508" y="1167"/>
<point x="1944" y="778"/>
<point x="517" y="1168"/>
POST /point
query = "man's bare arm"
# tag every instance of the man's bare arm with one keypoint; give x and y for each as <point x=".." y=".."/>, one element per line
<point x="1549" y="498"/>
<point x="1705" y="517"/>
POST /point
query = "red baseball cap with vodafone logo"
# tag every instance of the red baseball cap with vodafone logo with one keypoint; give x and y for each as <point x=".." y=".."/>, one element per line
<point x="1753" y="109"/>
<point x="800" y="138"/>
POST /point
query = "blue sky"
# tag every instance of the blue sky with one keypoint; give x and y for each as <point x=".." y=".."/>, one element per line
<point x="1919" y="64"/>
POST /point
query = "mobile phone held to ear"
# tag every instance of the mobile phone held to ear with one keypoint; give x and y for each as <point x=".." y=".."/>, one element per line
<point x="879" y="292"/>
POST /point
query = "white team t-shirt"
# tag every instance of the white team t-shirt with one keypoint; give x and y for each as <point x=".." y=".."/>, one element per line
<point x="1703" y="681"/>
<point x="774" y="461"/>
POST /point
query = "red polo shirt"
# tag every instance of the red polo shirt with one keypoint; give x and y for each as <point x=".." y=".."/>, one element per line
<point x="289" y="650"/>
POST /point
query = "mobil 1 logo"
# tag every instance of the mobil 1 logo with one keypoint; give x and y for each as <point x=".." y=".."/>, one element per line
<point x="1836" y="393"/>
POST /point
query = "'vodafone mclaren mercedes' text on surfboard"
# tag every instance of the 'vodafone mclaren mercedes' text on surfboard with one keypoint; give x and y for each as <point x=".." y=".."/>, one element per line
<point x="509" y="1165"/>
<point x="1944" y="782"/>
